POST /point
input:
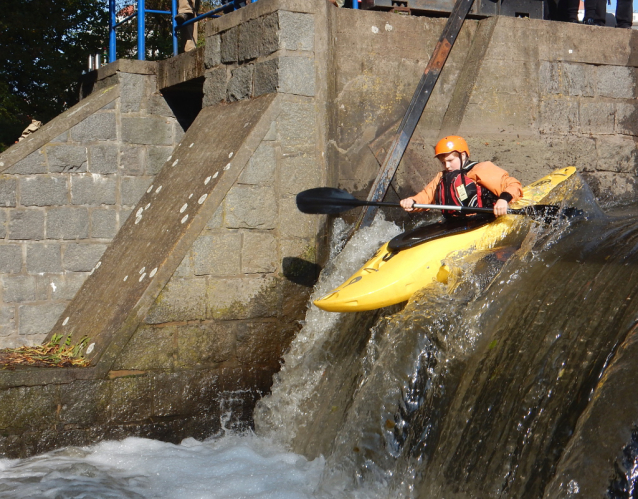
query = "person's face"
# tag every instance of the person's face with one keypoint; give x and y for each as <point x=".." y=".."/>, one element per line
<point x="451" y="161"/>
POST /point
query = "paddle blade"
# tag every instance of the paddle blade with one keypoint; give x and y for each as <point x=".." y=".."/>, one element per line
<point x="326" y="201"/>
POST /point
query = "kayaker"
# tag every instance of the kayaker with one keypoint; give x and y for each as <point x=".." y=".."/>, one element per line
<point x="466" y="183"/>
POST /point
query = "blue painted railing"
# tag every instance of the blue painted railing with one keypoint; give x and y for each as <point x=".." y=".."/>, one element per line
<point x="140" y="13"/>
<point x="141" y="23"/>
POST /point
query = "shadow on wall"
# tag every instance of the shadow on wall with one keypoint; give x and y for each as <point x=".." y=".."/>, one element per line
<point x="300" y="271"/>
<point x="185" y="100"/>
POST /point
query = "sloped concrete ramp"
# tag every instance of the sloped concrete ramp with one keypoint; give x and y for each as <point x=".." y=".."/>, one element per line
<point x="165" y="223"/>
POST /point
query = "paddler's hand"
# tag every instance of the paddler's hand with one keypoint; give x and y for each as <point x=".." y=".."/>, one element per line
<point x="500" y="208"/>
<point x="407" y="204"/>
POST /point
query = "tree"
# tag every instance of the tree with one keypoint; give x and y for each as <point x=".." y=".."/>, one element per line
<point x="45" y="48"/>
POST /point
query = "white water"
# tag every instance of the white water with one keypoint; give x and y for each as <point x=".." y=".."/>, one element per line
<point x="279" y="414"/>
<point x="228" y="467"/>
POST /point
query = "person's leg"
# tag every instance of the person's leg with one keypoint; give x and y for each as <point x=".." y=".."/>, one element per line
<point x="190" y="33"/>
<point x="563" y="10"/>
<point x="571" y="10"/>
<point x="595" y="12"/>
<point x="624" y="13"/>
<point x="186" y="10"/>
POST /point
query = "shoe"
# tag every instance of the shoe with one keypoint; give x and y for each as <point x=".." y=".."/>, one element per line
<point x="182" y="17"/>
<point x="590" y="21"/>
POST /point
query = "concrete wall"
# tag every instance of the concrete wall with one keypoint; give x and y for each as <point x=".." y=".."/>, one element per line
<point x="530" y="95"/>
<point x="540" y="96"/>
<point x="379" y="60"/>
<point x="65" y="196"/>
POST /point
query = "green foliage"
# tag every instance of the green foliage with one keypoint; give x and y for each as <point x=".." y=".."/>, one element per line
<point x="10" y="124"/>
<point x="45" y="48"/>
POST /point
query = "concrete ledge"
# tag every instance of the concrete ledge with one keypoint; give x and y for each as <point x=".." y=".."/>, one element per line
<point x="259" y="9"/>
<point x="534" y="39"/>
<point x="57" y="126"/>
<point x="185" y="67"/>
<point x="127" y="66"/>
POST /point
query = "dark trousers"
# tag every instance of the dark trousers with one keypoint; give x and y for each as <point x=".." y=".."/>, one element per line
<point x="596" y="10"/>
<point x="563" y="10"/>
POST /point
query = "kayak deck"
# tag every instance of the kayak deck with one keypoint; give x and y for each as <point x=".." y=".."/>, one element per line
<point x="392" y="276"/>
<point x="437" y="230"/>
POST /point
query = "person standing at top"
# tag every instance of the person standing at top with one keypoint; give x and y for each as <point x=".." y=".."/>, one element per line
<point x="187" y="9"/>
<point x="466" y="183"/>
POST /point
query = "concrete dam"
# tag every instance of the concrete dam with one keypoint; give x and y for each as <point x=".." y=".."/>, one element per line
<point x="157" y="218"/>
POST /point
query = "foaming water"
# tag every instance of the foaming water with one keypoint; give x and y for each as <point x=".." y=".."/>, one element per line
<point x="282" y="414"/>
<point x="229" y="467"/>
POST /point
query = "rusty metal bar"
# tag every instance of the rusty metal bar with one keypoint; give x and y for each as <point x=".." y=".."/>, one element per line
<point x="415" y="109"/>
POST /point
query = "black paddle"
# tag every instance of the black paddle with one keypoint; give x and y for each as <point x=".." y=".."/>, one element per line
<point x="331" y="201"/>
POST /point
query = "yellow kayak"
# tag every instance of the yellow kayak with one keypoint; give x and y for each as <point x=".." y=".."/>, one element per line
<point x="391" y="276"/>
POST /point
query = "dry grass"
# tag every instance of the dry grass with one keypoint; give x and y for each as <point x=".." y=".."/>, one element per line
<point x="50" y="355"/>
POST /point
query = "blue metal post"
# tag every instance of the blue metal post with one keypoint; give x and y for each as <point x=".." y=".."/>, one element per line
<point x="141" y="30"/>
<point x="112" y="54"/>
<point x="174" y="25"/>
<point x="355" y="4"/>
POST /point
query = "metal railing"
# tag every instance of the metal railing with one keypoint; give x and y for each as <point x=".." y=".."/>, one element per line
<point x="141" y="12"/>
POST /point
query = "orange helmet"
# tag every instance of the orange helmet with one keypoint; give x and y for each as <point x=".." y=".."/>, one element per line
<point x="451" y="143"/>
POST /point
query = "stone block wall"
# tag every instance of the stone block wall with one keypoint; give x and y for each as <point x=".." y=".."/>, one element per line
<point x="183" y="372"/>
<point x="234" y="270"/>
<point x="235" y="300"/>
<point x="63" y="202"/>
<point x="270" y="53"/>
<point x="211" y="342"/>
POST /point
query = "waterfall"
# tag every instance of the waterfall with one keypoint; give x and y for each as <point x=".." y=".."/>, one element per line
<point x="474" y="388"/>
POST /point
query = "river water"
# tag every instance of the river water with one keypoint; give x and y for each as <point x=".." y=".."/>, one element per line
<point x="488" y="386"/>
